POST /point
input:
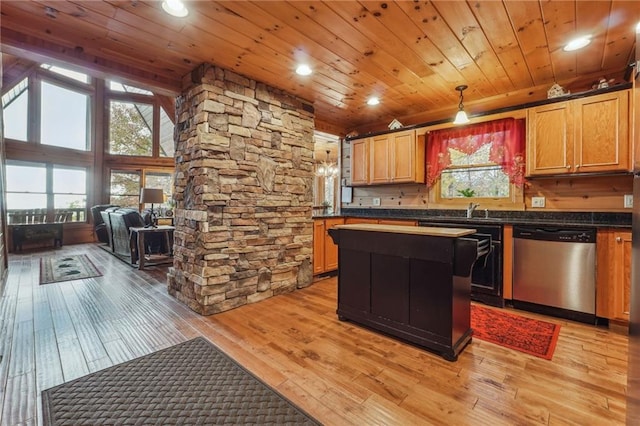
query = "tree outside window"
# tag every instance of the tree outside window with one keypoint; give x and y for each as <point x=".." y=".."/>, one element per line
<point x="130" y="129"/>
<point x="125" y="188"/>
<point x="126" y="184"/>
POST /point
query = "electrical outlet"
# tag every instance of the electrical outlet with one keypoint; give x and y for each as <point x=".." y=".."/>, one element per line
<point x="537" y="201"/>
<point x="628" y="201"/>
<point x="376" y="201"/>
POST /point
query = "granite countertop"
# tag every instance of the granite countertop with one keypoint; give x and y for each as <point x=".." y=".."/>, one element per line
<point x="499" y="217"/>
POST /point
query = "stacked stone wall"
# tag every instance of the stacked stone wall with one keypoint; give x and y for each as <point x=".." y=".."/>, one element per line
<point x="243" y="192"/>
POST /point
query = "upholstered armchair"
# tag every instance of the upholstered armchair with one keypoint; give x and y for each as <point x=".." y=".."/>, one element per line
<point x="118" y="222"/>
<point x="99" y="227"/>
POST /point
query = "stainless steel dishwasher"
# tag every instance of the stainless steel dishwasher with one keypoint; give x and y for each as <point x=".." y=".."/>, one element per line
<point x="554" y="271"/>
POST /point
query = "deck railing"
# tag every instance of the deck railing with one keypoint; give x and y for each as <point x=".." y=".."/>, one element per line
<point x="21" y="216"/>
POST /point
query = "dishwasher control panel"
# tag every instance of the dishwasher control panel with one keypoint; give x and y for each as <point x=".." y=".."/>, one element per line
<point x="568" y="235"/>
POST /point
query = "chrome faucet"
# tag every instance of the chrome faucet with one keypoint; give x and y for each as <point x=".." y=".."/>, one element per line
<point x="470" y="209"/>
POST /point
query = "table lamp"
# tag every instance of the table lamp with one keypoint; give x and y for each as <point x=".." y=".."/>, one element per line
<point x="151" y="196"/>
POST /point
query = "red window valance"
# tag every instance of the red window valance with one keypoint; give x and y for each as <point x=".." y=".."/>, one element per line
<point x="507" y="149"/>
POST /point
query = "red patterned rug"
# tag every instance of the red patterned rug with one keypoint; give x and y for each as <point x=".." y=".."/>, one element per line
<point x="512" y="331"/>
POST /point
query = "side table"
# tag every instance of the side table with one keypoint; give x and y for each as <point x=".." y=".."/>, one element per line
<point x="138" y="235"/>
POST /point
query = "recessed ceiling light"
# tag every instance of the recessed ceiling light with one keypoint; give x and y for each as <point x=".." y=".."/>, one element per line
<point x="577" y="43"/>
<point x="175" y="8"/>
<point x="303" y="69"/>
<point x="373" y="101"/>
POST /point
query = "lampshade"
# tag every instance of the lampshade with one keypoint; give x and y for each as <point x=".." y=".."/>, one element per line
<point x="151" y="196"/>
<point x="461" y="118"/>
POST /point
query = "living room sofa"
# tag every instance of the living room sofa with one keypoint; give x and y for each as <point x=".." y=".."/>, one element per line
<point x="118" y="221"/>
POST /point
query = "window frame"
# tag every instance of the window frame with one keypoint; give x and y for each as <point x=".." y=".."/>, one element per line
<point x="142" y="172"/>
<point x="49" y="194"/>
<point x="130" y="97"/>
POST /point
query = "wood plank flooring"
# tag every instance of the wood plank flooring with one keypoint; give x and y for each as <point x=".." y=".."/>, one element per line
<point x="340" y="373"/>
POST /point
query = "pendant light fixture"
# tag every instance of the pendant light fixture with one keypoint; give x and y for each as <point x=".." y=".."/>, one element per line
<point x="327" y="168"/>
<point x="461" y="116"/>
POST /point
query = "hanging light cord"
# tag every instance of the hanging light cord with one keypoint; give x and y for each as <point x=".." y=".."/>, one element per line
<point x="461" y="88"/>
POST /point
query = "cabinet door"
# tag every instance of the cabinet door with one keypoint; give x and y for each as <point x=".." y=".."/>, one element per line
<point x="379" y="159"/>
<point x="403" y="149"/>
<point x="330" y="249"/>
<point x="550" y="139"/>
<point x="622" y="278"/>
<point x="359" y="162"/>
<point x="318" y="246"/>
<point x="602" y="133"/>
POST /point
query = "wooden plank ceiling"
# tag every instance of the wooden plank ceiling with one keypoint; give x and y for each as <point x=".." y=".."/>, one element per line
<point x="412" y="54"/>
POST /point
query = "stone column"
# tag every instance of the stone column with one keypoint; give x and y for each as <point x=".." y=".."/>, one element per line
<point x="243" y="182"/>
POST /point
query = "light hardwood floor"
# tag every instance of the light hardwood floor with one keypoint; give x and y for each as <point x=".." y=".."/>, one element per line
<point x="340" y="373"/>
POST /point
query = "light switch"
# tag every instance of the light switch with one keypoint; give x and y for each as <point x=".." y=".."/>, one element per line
<point x="628" y="201"/>
<point x="376" y="201"/>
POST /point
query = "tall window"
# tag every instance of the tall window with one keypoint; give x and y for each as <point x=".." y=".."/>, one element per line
<point x="138" y="125"/>
<point x="15" y="105"/>
<point x="48" y="187"/>
<point x="63" y="103"/>
<point x="68" y="126"/>
<point x="130" y="128"/>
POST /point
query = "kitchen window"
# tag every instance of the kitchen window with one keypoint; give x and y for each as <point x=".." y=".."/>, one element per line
<point x="481" y="163"/>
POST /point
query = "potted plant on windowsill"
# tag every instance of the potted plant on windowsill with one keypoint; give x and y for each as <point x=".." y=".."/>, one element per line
<point x="326" y="205"/>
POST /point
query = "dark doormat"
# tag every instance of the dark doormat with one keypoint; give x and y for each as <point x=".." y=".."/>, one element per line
<point x="186" y="384"/>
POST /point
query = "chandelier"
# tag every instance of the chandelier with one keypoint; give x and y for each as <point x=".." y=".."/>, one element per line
<point x="327" y="168"/>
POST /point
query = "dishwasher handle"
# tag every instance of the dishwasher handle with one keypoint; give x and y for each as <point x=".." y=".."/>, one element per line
<point x="569" y="235"/>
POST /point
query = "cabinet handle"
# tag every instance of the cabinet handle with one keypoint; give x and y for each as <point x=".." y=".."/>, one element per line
<point x="568" y="166"/>
<point x="618" y="239"/>
<point x="577" y="166"/>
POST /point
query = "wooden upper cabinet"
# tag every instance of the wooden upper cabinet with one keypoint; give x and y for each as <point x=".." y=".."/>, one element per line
<point x="380" y="159"/>
<point x="550" y="139"/>
<point x="397" y="157"/>
<point x="359" y="162"/>
<point x="408" y="159"/>
<point x="580" y="136"/>
<point x="602" y="133"/>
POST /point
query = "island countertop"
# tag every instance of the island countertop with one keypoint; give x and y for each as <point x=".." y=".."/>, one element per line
<point x="415" y="230"/>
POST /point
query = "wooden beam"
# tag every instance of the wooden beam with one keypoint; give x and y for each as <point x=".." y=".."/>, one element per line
<point x="43" y="51"/>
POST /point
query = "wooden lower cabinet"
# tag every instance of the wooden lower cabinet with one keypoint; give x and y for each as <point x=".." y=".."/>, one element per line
<point x="325" y="252"/>
<point x="613" y="274"/>
<point x="622" y="275"/>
